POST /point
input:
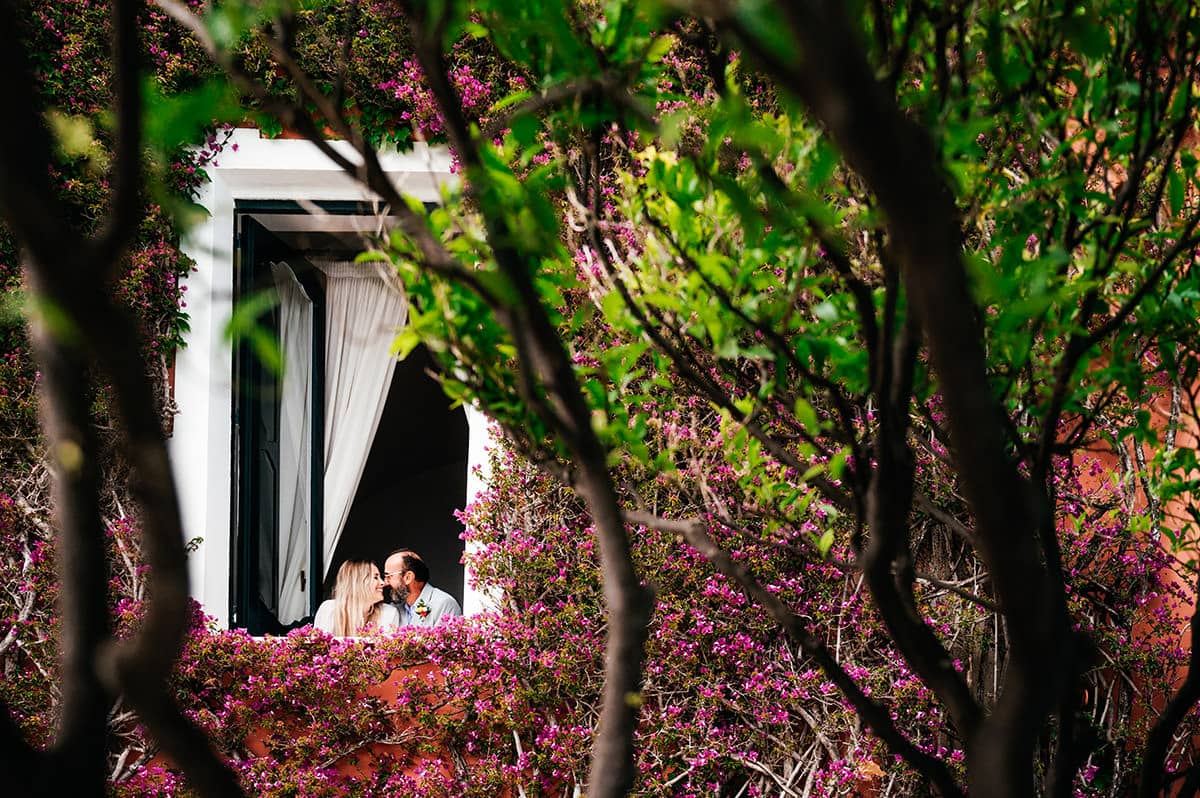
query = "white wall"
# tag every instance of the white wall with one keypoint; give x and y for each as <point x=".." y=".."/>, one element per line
<point x="201" y="453"/>
<point x="480" y="438"/>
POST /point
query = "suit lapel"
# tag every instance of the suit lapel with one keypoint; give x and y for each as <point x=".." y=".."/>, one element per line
<point x="426" y="596"/>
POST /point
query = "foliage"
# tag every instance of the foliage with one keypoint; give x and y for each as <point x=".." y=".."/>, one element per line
<point x="29" y="649"/>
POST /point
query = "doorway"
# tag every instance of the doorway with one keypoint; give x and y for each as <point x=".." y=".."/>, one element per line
<point x="413" y="472"/>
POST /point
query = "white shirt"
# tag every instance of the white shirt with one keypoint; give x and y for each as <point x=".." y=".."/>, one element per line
<point x="389" y="617"/>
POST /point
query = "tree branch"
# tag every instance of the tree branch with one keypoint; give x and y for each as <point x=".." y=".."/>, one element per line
<point x="629" y="602"/>
<point x="894" y="155"/>
<point x="71" y="280"/>
<point x="140" y="666"/>
<point x="79" y="746"/>
<point x="125" y="208"/>
<point x="886" y="559"/>
<point x="24" y="766"/>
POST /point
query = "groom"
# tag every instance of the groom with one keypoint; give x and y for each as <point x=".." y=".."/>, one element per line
<point x="420" y="603"/>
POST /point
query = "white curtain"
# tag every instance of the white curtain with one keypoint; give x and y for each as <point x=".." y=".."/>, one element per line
<point x="295" y="443"/>
<point x="364" y="308"/>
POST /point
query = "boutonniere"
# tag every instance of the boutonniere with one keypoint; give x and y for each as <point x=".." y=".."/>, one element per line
<point x="421" y="608"/>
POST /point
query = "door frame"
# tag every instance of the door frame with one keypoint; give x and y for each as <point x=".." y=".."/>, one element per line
<point x="252" y="168"/>
<point x="256" y="246"/>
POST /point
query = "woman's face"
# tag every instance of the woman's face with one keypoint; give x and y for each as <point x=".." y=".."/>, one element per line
<point x="376" y="583"/>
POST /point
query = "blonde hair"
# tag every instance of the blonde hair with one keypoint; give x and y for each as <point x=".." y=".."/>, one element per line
<point x="354" y="603"/>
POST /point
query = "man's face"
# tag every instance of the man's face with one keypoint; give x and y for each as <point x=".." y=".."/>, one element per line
<point x="396" y="576"/>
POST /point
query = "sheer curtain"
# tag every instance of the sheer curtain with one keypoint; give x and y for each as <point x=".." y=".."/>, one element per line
<point x="295" y="443"/>
<point x="364" y="308"/>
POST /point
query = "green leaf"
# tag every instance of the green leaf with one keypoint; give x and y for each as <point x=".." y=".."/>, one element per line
<point x="837" y="463"/>
<point x="475" y="30"/>
<point x="406" y="341"/>
<point x="825" y="542"/>
<point x="499" y="286"/>
<point x="1176" y="190"/>
<point x="76" y="138"/>
<point x="662" y="45"/>
<point x="244" y="325"/>
<point x="178" y="119"/>
<point x="525" y="129"/>
<point x="807" y="416"/>
<point x="812" y="472"/>
<point x="515" y="98"/>
<point x="1088" y="34"/>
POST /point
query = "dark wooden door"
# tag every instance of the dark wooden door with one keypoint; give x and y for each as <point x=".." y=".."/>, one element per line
<point x="256" y="431"/>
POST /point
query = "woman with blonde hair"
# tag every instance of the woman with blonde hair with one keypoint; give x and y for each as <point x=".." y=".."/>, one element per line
<point x="357" y="607"/>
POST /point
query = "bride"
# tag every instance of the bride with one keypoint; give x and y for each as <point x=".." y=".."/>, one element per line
<point x="357" y="607"/>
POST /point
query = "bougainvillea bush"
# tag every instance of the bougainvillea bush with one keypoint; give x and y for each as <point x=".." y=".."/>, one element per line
<point x="506" y="701"/>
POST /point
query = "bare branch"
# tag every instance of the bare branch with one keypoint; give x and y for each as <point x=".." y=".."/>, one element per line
<point x="124" y="211"/>
<point x="957" y="590"/>
<point x="79" y="541"/>
<point x="886" y="559"/>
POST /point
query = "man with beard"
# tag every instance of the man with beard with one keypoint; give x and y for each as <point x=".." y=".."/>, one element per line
<point x="420" y="603"/>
